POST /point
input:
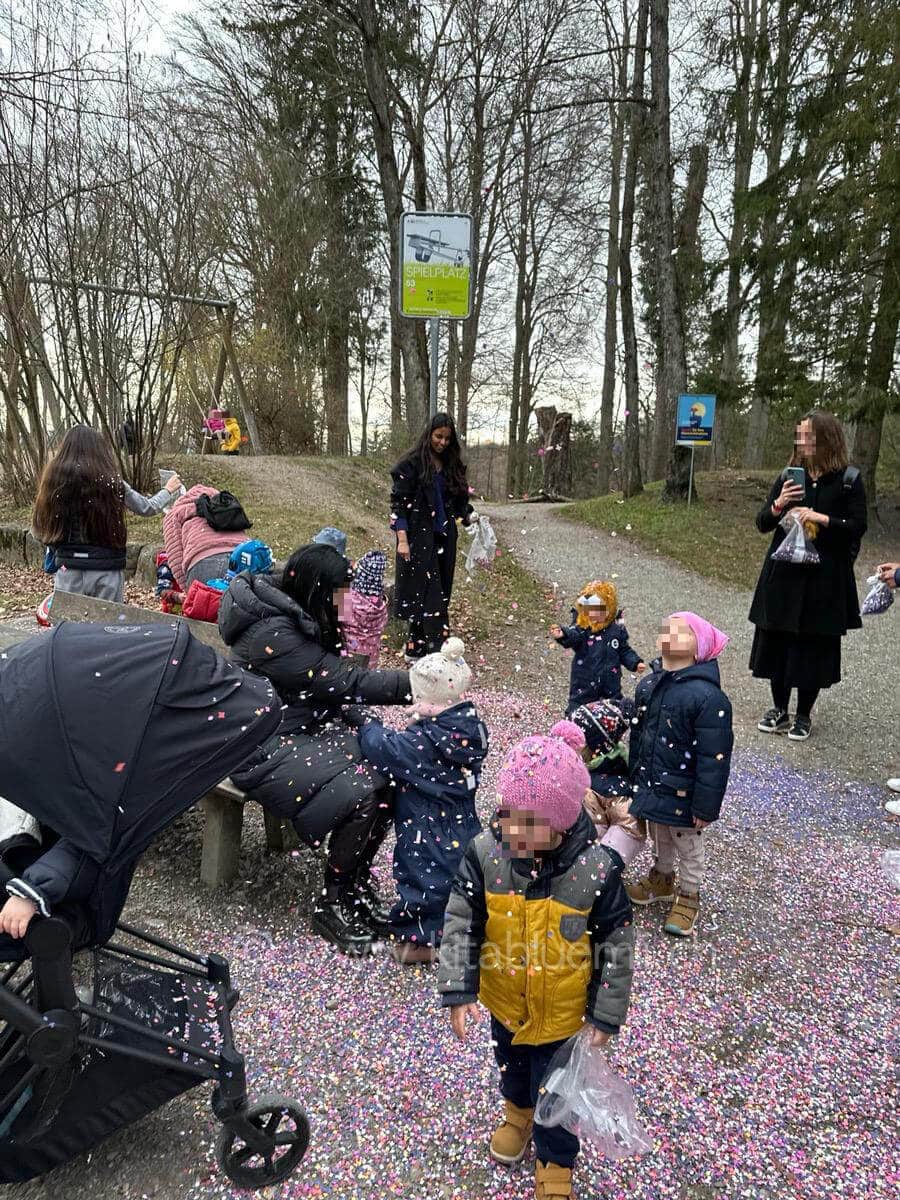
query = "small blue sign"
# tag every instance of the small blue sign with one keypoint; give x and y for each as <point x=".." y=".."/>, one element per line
<point x="694" y="422"/>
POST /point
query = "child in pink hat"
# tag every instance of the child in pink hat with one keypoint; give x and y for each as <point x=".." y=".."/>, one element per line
<point x="680" y="757"/>
<point x="538" y="928"/>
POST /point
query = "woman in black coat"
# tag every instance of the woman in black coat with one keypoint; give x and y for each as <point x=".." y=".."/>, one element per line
<point x="312" y="771"/>
<point x="429" y="494"/>
<point x="801" y="612"/>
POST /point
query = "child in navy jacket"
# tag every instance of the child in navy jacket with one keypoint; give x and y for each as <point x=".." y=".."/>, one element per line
<point x="680" y="760"/>
<point x="436" y="765"/>
<point x="600" y="641"/>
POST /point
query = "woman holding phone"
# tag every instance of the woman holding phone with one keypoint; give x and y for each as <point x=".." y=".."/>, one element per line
<point x="801" y="612"/>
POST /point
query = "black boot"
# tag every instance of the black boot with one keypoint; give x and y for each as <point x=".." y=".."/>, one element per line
<point x="336" y="918"/>
<point x="374" y="911"/>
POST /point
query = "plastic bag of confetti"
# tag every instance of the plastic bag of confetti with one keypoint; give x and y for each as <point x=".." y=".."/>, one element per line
<point x="879" y="598"/>
<point x="890" y="866"/>
<point x="796" y="547"/>
<point x="582" y="1093"/>
<point x="483" y="549"/>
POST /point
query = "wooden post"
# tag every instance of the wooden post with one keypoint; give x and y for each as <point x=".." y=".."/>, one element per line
<point x="221" y="839"/>
<point x="274" y="830"/>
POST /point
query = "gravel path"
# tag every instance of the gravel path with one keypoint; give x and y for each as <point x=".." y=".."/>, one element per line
<point x="856" y="723"/>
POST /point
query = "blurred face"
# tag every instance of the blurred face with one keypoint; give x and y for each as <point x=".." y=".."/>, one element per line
<point x="440" y="439"/>
<point x="524" y="833"/>
<point x="805" y="439"/>
<point x="341" y="602"/>
<point x="596" y="613"/>
<point x="676" y="639"/>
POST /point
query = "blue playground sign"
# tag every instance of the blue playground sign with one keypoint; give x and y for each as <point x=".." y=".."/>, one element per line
<point x="694" y="422"/>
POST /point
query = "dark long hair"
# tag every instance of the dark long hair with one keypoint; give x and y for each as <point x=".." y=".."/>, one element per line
<point x="311" y="577"/>
<point x="452" y="464"/>
<point x="831" y="444"/>
<point x="80" y="493"/>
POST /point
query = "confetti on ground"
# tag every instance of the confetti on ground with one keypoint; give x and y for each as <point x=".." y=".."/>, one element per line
<point x="758" y="1050"/>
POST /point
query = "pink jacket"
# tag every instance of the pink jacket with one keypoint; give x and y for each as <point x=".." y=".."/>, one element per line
<point x="364" y="625"/>
<point x="189" y="538"/>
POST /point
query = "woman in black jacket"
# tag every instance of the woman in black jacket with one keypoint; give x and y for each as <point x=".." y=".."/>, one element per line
<point x="430" y="492"/>
<point x="801" y="612"/>
<point x="313" y="772"/>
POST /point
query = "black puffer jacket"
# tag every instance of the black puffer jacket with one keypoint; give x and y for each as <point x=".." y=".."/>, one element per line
<point x="271" y="635"/>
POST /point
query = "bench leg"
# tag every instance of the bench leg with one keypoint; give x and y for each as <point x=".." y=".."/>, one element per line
<point x="221" y="840"/>
<point x="274" y="834"/>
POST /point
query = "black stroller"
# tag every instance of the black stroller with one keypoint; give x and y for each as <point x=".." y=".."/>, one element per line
<point x="106" y="735"/>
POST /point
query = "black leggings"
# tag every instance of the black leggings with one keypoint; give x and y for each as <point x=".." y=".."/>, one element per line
<point x="428" y="632"/>
<point x="806" y="697"/>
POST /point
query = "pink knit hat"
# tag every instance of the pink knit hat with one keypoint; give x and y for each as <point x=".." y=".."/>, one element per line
<point x="710" y="641"/>
<point x="547" y="776"/>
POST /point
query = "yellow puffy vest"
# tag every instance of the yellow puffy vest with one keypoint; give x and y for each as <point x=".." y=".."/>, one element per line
<point x="535" y="966"/>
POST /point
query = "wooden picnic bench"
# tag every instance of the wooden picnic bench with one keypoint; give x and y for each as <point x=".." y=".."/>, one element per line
<point x="223" y="807"/>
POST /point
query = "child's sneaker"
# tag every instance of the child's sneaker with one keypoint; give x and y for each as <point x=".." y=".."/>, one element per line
<point x="510" y="1141"/>
<point x="552" y="1182"/>
<point x="652" y="889"/>
<point x="776" y="720"/>
<point x="683" y="915"/>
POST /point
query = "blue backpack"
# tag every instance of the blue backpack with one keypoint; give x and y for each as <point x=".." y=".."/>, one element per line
<point x="253" y="556"/>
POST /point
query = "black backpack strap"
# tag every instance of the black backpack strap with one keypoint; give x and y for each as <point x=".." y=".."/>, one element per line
<point x="851" y="474"/>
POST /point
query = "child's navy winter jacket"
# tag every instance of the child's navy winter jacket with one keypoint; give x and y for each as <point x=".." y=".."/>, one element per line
<point x="681" y="747"/>
<point x="436" y="763"/>
<point x="598" y="662"/>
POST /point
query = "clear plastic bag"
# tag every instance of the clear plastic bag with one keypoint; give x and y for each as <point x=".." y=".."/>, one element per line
<point x="797" y="547"/>
<point x="483" y="549"/>
<point x="582" y="1093"/>
<point x="879" y="598"/>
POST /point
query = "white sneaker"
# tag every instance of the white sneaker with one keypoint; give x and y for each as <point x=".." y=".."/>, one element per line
<point x="894" y="784"/>
<point x="893" y="807"/>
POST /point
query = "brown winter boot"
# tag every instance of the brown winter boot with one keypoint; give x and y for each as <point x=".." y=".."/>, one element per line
<point x="552" y="1181"/>
<point x="652" y="889"/>
<point x="683" y="915"/>
<point x="510" y="1141"/>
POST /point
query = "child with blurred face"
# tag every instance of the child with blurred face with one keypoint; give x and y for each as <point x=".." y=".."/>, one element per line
<point x="540" y="868"/>
<point x="679" y="759"/>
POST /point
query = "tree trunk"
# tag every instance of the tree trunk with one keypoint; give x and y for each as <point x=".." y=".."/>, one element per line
<point x="517" y="399"/>
<point x="452" y="361"/>
<point x="610" y="330"/>
<point x="880" y="365"/>
<point x="632" y="483"/>
<point x="412" y="346"/>
<point x="398" y="432"/>
<point x="673" y="365"/>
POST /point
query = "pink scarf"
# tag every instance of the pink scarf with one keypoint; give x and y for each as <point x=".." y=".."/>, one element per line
<point x="710" y="641"/>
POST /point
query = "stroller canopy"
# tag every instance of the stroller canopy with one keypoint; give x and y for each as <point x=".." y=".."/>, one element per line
<point x="108" y="733"/>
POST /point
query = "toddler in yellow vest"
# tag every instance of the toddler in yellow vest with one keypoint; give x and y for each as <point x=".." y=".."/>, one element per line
<point x="538" y="928"/>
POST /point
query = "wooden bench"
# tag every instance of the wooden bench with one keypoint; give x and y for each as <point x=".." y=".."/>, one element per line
<point x="224" y="805"/>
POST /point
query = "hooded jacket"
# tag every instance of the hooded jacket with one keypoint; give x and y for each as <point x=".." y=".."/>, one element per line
<point x="190" y="538"/>
<point x="543" y="944"/>
<point x="272" y="635"/>
<point x="598" y="661"/>
<point x="680" y="748"/>
<point x="436" y="765"/>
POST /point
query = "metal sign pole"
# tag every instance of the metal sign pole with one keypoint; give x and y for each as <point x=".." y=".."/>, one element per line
<point x="691" y="479"/>
<point x="435" y="331"/>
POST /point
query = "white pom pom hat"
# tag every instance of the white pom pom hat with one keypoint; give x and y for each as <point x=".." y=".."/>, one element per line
<point x="441" y="679"/>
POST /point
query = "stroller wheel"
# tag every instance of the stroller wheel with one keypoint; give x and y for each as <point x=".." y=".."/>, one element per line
<point x="271" y="1151"/>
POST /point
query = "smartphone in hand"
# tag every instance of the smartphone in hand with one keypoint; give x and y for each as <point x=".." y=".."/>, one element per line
<point x="797" y="476"/>
<point x="164" y="477"/>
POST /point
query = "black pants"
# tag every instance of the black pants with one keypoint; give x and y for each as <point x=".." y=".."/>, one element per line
<point x="806" y="697"/>
<point x="356" y="840"/>
<point x="428" y="632"/>
<point x="522" y="1068"/>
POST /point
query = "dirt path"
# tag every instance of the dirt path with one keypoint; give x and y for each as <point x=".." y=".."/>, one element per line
<point x="856" y="723"/>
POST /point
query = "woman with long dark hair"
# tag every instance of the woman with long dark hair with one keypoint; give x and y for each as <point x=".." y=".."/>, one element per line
<point x="79" y="515"/>
<point x="313" y="772"/>
<point x="430" y="492"/>
<point x="802" y="611"/>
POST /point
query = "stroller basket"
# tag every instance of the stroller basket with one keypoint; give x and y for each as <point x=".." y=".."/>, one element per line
<point x="158" y="1023"/>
